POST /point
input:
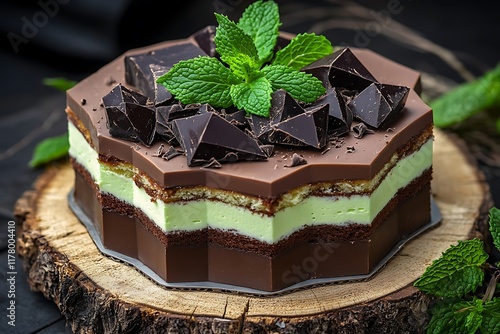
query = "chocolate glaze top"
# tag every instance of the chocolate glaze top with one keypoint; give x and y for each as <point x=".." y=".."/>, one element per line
<point x="260" y="178"/>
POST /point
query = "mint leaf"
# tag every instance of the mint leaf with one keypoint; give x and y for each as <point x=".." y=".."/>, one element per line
<point x="49" y="149"/>
<point x="303" y="50"/>
<point x="456" y="317"/>
<point x="253" y="97"/>
<point x="62" y="84"/>
<point x="200" y="80"/>
<point x="457" y="272"/>
<point x="300" y="85"/>
<point x="261" y="21"/>
<point x="236" y="48"/>
<point x="491" y="317"/>
<point x="495" y="226"/>
<point x="467" y="99"/>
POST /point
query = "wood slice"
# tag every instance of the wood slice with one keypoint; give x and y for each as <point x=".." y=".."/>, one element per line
<point x="98" y="294"/>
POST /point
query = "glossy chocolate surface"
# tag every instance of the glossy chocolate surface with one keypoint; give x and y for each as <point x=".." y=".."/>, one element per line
<point x="263" y="178"/>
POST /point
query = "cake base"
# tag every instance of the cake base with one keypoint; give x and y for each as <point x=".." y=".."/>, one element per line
<point x="98" y="294"/>
<point x="348" y="247"/>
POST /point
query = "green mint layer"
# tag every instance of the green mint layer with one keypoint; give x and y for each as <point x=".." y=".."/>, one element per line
<point x="303" y="50"/>
<point x="457" y="272"/>
<point x="300" y="85"/>
<point x="491" y="317"/>
<point x="200" y="80"/>
<point x="236" y="48"/>
<point x="261" y="21"/>
<point x="61" y="84"/>
<point x="495" y="226"/>
<point x="254" y="97"/>
<point x="456" y="317"/>
<point x="467" y="99"/>
<point x="50" y="149"/>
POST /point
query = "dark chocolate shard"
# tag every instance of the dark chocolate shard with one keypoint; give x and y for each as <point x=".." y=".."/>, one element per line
<point x="379" y="104"/>
<point x="341" y="69"/>
<point x="207" y="135"/>
<point x="360" y="129"/>
<point x="162" y="96"/>
<point x="205" y="40"/>
<point x="290" y="124"/>
<point x="339" y="114"/>
<point x="267" y="149"/>
<point x="236" y="117"/>
<point x="128" y="116"/>
<point x="297" y="160"/>
<point x="138" y="71"/>
<point x="396" y="96"/>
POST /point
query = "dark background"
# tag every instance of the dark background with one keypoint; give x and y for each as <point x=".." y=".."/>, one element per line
<point x="450" y="42"/>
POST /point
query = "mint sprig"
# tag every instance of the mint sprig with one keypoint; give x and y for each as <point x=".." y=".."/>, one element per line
<point x="457" y="272"/>
<point x="468" y="99"/>
<point x="455" y="279"/>
<point x="249" y="72"/>
<point x="50" y="149"/>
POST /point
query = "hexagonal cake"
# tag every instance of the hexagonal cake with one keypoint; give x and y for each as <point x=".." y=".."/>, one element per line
<point x="197" y="195"/>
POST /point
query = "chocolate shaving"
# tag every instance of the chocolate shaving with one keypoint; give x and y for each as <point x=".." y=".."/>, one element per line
<point x="297" y="160"/>
<point x="171" y="153"/>
<point x="83" y="102"/>
<point x="212" y="163"/>
<point x="350" y="149"/>
<point x="159" y="151"/>
<point x="360" y="130"/>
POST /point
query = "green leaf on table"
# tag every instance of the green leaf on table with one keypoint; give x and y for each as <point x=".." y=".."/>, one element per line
<point x="491" y="317"/>
<point x="50" y="149"/>
<point x="457" y="272"/>
<point x="200" y="80"/>
<point x="300" y="85"/>
<point x="450" y="317"/>
<point x="467" y="99"/>
<point x="62" y="84"/>
<point x="495" y="226"/>
<point x="303" y="50"/>
<point x="261" y="21"/>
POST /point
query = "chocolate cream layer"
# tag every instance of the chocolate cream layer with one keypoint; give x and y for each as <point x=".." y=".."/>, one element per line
<point x="336" y="203"/>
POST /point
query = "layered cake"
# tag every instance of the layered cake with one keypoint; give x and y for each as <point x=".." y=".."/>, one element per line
<point x="210" y="192"/>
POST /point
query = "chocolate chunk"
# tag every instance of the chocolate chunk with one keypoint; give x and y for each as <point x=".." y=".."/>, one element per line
<point x="83" y="102"/>
<point x="350" y="149"/>
<point x="297" y="160"/>
<point x="378" y="104"/>
<point x="341" y="69"/>
<point x="205" y="40"/>
<point x="290" y="124"/>
<point x="138" y="71"/>
<point x="339" y="114"/>
<point x="207" y="135"/>
<point x="267" y="149"/>
<point x="236" y="117"/>
<point x="360" y="129"/>
<point x="161" y="95"/>
<point x="128" y="117"/>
